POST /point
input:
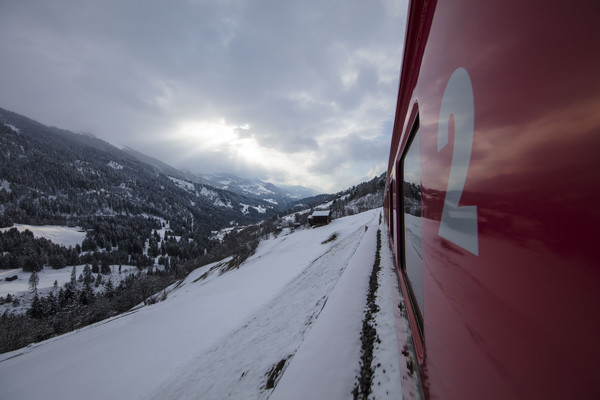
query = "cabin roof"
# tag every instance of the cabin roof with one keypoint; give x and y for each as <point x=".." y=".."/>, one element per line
<point x="321" y="213"/>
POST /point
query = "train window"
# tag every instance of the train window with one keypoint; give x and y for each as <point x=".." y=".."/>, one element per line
<point x="412" y="234"/>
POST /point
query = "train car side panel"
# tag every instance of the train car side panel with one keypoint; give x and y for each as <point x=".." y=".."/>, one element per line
<point x="508" y="97"/>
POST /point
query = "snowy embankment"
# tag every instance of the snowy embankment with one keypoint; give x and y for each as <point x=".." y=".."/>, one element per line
<point x="289" y="318"/>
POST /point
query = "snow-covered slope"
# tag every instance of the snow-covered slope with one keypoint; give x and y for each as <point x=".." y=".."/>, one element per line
<point x="297" y="302"/>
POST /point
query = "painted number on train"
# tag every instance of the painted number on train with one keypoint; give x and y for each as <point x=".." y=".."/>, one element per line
<point x="458" y="224"/>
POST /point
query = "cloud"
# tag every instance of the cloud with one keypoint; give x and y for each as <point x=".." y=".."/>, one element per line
<point x="304" y="85"/>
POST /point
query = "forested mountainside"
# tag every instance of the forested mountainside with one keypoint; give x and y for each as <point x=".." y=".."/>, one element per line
<point x="278" y="197"/>
<point x="257" y="189"/>
<point x="53" y="176"/>
<point x="364" y="196"/>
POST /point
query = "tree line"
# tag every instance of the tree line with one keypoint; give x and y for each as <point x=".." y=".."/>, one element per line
<point x="80" y="302"/>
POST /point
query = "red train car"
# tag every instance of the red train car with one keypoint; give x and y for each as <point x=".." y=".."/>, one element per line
<point x="493" y="197"/>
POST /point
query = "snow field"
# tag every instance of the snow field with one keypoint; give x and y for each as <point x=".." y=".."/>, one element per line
<point x="47" y="276"/>
<point x="61" y="235"/>
<point x="218" y="336"/>
<point x="19" y="288"/>
<point x="326" y="364"/>
<point x="237" y="366"/>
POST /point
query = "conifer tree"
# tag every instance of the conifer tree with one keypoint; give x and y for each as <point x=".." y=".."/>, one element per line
<point x="35" y="311"/>
<point x="88" y="278"/>
<point x="74" y="278"/>
<point x="33" y="282"/>
<point x="109" y="290"/>
<point x="87" y="294"/>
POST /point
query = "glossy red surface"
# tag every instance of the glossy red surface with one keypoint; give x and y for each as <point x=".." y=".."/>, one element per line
<point x="522" y="318"/>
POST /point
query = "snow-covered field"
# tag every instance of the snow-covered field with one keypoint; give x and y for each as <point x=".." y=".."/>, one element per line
<point x="297" y="303"/>
<point x="62" y="235"/>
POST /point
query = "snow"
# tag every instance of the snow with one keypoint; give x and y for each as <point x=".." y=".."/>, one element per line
<point x="13" y="128"/>
<point x="388" y="377"/>
<point x="334" y="341"/>
<point x="218" y="335"/>
<point x="219" y="203"/>
<point x="256" y="189"/>
<point x="4" y="184"/>
<point x="47" y="276"/>
<point x="61" y="235"/>
<point x="259" y="209"/>
<point x="244" y="208"/>
<point x="321" y="213"/>
<point x="185" y="185"/>
<point x="220" y="234"/>
<point x="325" y="206"/>
<point x="115" y="165"/>
<point x="19" y="288"/>
<point x="211" y="194"/>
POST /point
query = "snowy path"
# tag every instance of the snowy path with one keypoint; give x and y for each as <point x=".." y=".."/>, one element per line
<point x="218" y="337"/>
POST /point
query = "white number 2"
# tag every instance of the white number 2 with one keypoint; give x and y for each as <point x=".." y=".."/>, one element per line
<point x="458" y="224"/>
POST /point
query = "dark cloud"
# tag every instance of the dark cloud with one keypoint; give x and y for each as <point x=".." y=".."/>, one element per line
<point x="288" y="75"/>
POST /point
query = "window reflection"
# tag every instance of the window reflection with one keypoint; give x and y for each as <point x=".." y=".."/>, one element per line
<point x="411" y="195"/>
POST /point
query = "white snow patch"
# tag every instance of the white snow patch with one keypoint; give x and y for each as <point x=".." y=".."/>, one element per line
<point x="14" y="128"/>
<point x="272" y="201"/>
<point x="115" y="165"/>
<point x="325" y="206"/>
<point x="220" y="235"/>
<point x="185" y="185"/>
<point x="260" y="209"/>
<point x="211" y="194"/>
<point x="220" y="203"/>
<point x="62" y="235"/>
<point x="245" y="207"/>
<point x="257" y="189"/>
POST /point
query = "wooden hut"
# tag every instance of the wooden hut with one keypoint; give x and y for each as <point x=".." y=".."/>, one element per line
<point x="320" y="217"/>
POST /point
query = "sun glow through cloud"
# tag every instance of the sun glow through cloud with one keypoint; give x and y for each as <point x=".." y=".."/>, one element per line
<point x="287" y="92"/>
<point x="219" y="137"/>
<point x="219" y="140"/>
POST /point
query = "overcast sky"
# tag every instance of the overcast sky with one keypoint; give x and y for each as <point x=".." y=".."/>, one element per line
<point x="295" y="92"/>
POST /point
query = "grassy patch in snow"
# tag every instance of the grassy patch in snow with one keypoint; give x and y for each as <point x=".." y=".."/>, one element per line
<point x="331" y="238"/>
<point x="275" y="372"/>
<point x="368" y="336"/>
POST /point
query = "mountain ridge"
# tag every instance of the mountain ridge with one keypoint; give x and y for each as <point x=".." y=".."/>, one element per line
<point x="57" y="177"/>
